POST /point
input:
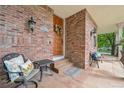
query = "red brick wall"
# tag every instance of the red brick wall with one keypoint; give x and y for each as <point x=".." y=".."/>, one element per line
<point x="75" y="38"/>
<point x="78" y="40"/>
<point x="15" y="35"/>
<point x="89" y="39"/>
<point x="58" y="39"/>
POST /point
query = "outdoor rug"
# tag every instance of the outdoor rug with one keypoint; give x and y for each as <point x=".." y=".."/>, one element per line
<point x="72" y="71"/>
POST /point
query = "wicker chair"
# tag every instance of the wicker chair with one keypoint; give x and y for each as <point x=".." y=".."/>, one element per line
<point x="25" y="81"/>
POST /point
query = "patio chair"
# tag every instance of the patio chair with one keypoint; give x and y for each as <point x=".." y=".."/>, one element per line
<point x="122" y="57"/>
<point x="22" y="80"/>
<point x="94" y="58"/>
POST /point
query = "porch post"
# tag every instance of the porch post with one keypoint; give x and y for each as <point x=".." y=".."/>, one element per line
<point x="64" y="37"/>
<point x="118" y="39"/>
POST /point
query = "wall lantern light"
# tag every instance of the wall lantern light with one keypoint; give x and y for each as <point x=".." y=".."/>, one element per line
<point x="93" y="32"/>
<point x="31" y="24"/>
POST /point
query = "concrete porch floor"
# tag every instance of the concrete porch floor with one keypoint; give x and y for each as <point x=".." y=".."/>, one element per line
<point x="110" y="74"/>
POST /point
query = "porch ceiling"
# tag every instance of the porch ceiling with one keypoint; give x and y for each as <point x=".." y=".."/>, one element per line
<point x="106" y="17"/>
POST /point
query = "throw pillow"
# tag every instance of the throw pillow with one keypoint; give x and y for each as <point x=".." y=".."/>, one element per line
<point x="12" y="67"/>
<point x="19" y="60"/>
<point x="27" y="67"/>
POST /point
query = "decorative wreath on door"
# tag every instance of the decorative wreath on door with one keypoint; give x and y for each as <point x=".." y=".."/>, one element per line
<point x="58" y="29"/>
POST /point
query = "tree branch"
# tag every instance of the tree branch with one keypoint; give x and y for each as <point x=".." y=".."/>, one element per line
<point x="110" y="40"/>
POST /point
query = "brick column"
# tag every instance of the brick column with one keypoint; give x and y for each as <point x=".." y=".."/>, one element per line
<point x="78" y="38"/>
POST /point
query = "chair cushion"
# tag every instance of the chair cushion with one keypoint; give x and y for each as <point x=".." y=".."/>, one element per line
<point x="19" y="60"/>
<point x="32" y="74"/>
<point x="98" y="54"/>
<point x="13" y="66"/>
<point x="27" y="67"/>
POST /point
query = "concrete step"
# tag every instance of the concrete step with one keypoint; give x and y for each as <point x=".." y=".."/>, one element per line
<point x="61" y="63"/>
<point x="66" y="66"/>
<point x="62" y="70"/>
<point x="58" y="57"/>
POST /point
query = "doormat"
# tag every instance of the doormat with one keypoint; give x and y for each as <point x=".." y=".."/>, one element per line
<point x="73" y="71"/>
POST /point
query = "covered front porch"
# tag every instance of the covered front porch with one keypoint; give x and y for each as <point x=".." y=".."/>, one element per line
<point x="39" y="33"/>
